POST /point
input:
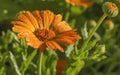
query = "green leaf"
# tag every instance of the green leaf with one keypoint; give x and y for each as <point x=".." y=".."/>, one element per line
<point x="74" y="67"/>
<point x="14" y="63"/>
<point x="2" y="69"/>
<point x="90" y="45"/>
<point x="49" y="62"/>
<point x="84" y="31"/>
<point x="68" y="50"/>
<point x="27" y="62"/>
<point x="98" y="53"/>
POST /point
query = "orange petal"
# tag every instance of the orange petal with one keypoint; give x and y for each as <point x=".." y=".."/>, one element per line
<point x="84" y="3"/>
<point x="38" y="18"/>
<point x="67" y="38"/>
<point x="73" y="2"/>
<point x="67" y="33"/>
<point x="31" y="39"/>
<point x="32" y="19"/>
<point x="22" y="24"/>
<point x="64" y="41"/>
<point x="25" y="19"/>
<point x="20" y="29"/>
<point x="54" y="45"/>
<point x="47" y="17"/>
<point x="62" y="27"/>
<point x="57" y="19"/>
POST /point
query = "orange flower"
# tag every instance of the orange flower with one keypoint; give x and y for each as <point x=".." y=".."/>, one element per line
<point x="61" y="65"/>
<point x="84" y="3"/>
<point x="43" y="29"/>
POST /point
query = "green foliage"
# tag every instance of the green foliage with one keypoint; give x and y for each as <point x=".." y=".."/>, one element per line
<point x="74" y="67"/>
<point x="99" y="57"/>
<point x="49" y="62"/>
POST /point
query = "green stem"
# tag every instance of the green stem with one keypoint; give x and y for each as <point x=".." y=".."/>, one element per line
<point x="92" y="32"/>
<point x="48" y="71"/>
<point x="40" y="63"/>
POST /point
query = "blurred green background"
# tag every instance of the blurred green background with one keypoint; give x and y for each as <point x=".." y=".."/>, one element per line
<point x="76" y="16"/>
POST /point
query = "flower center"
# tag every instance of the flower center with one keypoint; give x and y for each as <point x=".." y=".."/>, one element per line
<point x="44" y="34"/>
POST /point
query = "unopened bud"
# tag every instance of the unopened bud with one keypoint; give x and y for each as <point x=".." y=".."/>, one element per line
<point x="109" y="24"/>
<point x="100" y="49"/>
<point x="92" y="23"/>
<point x="110" y="9"/>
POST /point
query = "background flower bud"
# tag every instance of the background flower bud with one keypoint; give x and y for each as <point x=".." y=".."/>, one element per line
<point x="92" y="23"/>
<point x="109" y="24"/>
<point x="110" y="9"/>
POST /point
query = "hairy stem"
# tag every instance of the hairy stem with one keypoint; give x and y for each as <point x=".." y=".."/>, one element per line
<point x="92" y="33"/>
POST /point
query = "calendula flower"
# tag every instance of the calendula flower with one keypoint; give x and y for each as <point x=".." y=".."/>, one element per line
<point x="44" y="29"/>
<point x="60" y="67"/>
<point x="83" y="3"/>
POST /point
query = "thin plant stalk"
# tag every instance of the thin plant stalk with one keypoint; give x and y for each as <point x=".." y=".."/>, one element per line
<point x="40" y="63"/>
<point x="92" y="32"/>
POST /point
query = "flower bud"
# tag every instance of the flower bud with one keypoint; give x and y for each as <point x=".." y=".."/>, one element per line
<point x="98" y="53"/>
<point x="92" y="23"/>
<point x="100" y="49"/>
<point x="110" y="9"/>
<point x="109" y="24"/>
